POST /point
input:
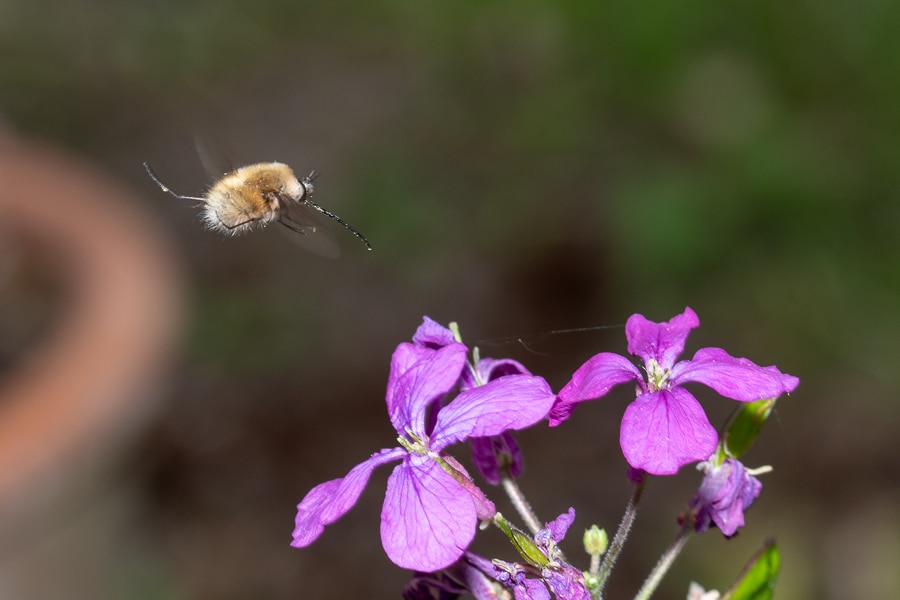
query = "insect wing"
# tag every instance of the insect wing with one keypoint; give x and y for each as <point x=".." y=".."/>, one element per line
<point x="216" y="159"/>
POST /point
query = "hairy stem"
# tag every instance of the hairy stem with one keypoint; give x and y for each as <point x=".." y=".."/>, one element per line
<point x="520" y="504"/>
<point x="615" y="548"/>
<point x="665" y="561"/>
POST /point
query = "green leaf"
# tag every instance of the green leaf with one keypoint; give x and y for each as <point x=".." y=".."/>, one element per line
<point x="757" y="580"/>
<point x="745" y="425"/>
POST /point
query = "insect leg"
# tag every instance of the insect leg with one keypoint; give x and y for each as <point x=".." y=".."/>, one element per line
<point x="165" y="188"/>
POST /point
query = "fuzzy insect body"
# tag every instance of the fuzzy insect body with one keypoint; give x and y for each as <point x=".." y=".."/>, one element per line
<point x="256" y="195"/>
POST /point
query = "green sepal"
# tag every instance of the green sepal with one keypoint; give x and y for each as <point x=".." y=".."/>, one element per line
<point x="523" y="544"/>
<point x="757" y="580"/>
<point x="744" y="427"/>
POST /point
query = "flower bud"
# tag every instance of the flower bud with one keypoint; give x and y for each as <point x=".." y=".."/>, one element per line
<point x="596" y="541"/>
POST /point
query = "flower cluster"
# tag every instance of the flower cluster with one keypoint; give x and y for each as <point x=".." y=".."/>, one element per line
<point x="544" y="575"/>
<point x="436" y="397"/>
<point x="431" y="507"/>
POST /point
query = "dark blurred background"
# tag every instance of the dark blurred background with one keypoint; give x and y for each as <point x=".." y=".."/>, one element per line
<point x="519" y="168"/>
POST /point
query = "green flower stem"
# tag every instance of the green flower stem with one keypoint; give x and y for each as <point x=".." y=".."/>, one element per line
<point x="665" y="561"/>
<point x="595" y="565"/>
<point x="615" y="548"/>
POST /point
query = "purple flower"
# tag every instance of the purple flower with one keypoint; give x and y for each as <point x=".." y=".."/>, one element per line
<point x="665" y="427"/>
<point x="565" y="581"/>
<point x="546" y="575"/>
<point x="726" y="492"/>
<point x="431" y="508"/>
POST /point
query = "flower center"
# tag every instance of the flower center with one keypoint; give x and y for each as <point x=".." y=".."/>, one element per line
<point x="657" y="376"/>
<point x="413" y="443"/>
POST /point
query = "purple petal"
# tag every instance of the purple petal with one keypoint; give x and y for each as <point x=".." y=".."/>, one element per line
<point x="490" y="454"/>
<point x="475" y="570"/>
<point x="494" y="368"/>
<point x="560" y="525"/>
<point x="661" y="431"/>
<point x="592" y="380"/>
<point x="489" y="369"/>
<point x="662" y="342"/>
<point x="484" y="457"/>
<point x="532" y="589"/>
<point x="432" y="334"/>
<point x="417" y="378"/>
<point x="327" y="502"/>
<point x="728" y="510"/>
<point x="405" y="357"/>
<point x="427" y="521"/>
<point x="480" y="563"/>
<point x="444" y="584"/>
<point x="566" y="583"/>
<point x="597" y="376"/>
<point x="560" y="413"/>
<point x="511" y="402"/>
<point x="735" y="378"/>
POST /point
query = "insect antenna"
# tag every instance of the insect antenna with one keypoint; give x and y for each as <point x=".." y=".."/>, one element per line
<point x="307" y="183"/>
<point x="165" y="188"/>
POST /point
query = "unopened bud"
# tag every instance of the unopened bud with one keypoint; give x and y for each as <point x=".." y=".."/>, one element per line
<point x="595" y="541"/>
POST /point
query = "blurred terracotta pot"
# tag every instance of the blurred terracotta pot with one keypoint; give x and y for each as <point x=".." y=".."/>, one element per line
<point x="69" y="403"/>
